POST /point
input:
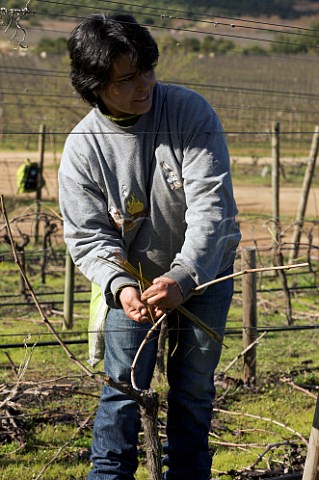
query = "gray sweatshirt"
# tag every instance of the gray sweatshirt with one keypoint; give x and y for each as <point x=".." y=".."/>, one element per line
<point x="158" y="193"/>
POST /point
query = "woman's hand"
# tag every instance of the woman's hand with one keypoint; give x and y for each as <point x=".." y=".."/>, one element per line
<point x="132" y="305"/>
<point x="164" y="294"/>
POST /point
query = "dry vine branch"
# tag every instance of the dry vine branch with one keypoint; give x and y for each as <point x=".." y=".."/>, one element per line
<point x="265" y="419"/>
<point x="160" y="362"/>
<point x="148" y="335"/>
<point x="241" y="354"/>
<point x="49" y="229"/>
<point x="124" y="264"/>
<point x="297" y="387"/>
<point x="130" y="269"/>
<point x="250" y="270"/>
<point x="236" y="445"/>
<point x="15" y="15"/>
<point x="20" y="248"/>
<point x="270" y="446"/>
<point x="30" y="216"/>
<point x="20" y="374"/>
<point x="83" y="425"/>
<point x="10" y="427"/>
<point x="13" y="365"/>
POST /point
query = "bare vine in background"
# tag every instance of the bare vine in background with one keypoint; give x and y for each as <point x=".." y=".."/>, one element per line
<point x="35" y="299"/>
<point x="14" y="17"/>
<point x="49" y="229"/>
<point x="51" y="222"/>
<point x="20" y="248"/>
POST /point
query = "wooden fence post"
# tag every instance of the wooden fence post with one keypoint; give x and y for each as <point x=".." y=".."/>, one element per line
<point x="311" y="471"/>
<point x="277" y="256"/>
<point x="300" y="216"/>
<point x="249" y="292"/>
<point x="55" y="160"/>
<point x="275" y="182"/>
<point x="68" y="292"/>
<point x="39" y="182"/>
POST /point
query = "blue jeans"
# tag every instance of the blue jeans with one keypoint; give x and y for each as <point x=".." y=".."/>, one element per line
<point x="192" y="359"/>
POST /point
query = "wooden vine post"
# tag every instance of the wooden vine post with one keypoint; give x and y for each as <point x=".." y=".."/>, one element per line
<point x="300" y="216"/>
<point x="275" y="181"/>
<point x="39" y="182"/>
<point x="249" y="289"/>
<point x="278" y="258"/>
<point x="311" y="471"/>
<point x="68" y="292"/>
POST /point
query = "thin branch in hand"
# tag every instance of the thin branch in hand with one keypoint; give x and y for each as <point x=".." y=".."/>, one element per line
<point x="147" y="336"/>
<point x="250" y="270"/>
<point x="123" y="264"/>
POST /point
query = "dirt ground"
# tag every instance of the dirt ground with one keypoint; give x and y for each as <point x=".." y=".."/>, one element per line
<point x="257" y="201"/>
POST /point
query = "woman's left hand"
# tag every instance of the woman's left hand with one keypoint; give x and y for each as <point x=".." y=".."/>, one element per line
<point x="164" y="294"/>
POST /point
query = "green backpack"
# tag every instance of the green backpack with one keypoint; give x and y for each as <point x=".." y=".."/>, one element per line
<point x="27" y="177"/>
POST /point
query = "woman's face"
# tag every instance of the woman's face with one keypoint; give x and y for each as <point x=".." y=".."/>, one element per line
<point x="129" y="91"/>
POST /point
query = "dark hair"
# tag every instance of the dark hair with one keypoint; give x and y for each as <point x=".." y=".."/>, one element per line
<point x="97" y="41"/>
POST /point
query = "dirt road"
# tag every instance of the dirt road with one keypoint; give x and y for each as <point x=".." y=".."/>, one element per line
<point x="9" y="164"/>
<point x="254" y="200"/>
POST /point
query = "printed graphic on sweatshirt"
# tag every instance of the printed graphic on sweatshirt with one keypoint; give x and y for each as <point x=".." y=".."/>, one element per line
<point x="171" y="177"/>
<point x="135" y="211"/>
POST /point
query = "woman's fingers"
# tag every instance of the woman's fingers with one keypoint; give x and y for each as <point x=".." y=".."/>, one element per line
<point x="164" y="293"/>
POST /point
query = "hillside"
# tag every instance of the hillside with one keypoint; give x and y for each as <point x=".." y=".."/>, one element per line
<point x="239" y="70"/>
<point x="256" y="8"/>
<point x="47" y="19"/>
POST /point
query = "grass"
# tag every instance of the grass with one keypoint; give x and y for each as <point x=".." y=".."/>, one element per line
<point x="260" y="174"/>
<point x="65" y="398"/>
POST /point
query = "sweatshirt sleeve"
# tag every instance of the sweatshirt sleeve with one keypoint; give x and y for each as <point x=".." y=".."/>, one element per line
<point x="88" y="232"/>
<point x="212" y="233"/>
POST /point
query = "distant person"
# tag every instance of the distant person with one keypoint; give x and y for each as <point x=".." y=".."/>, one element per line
<point x="146" y="176"/>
